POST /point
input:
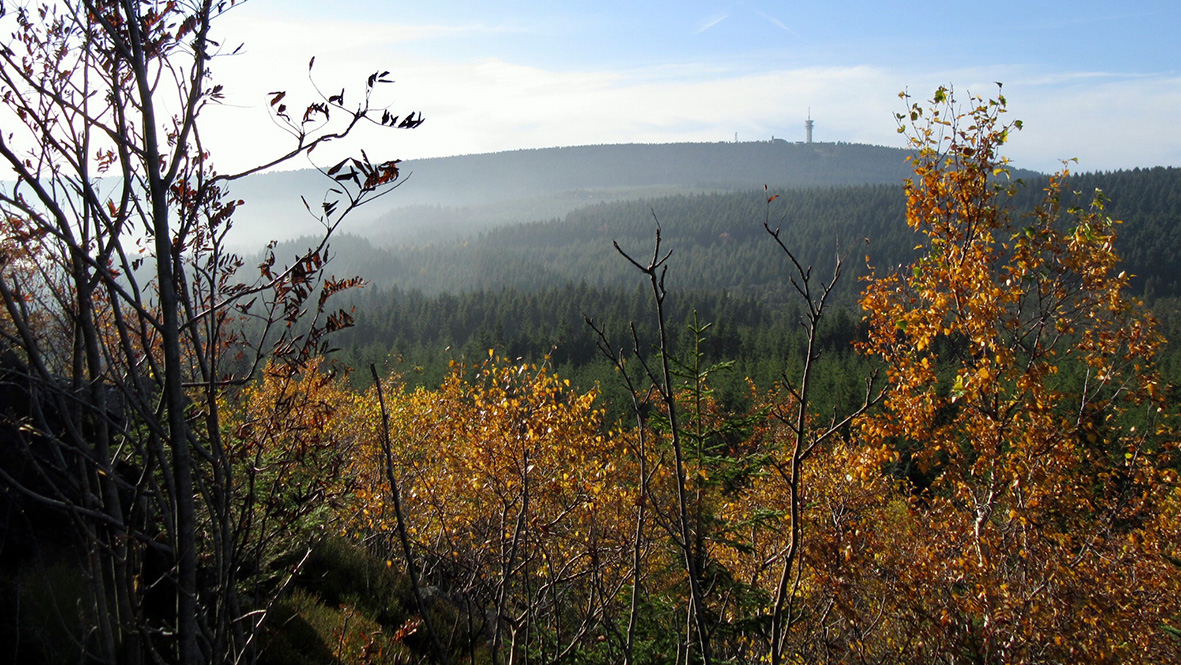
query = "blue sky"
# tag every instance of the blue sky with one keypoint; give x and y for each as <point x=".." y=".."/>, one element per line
<point x="1100" y="82"/>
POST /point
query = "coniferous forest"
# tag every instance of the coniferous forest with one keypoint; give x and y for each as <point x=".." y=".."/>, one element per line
<point x="526" y="289"/>
<point x="930" y="420"/>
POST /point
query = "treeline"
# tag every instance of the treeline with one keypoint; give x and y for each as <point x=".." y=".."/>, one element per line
<point x="421" y="335"/>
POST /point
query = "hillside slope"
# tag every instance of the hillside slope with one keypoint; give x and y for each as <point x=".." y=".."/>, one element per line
<point x="450" y="195"/>
<point x="718" y="241"/>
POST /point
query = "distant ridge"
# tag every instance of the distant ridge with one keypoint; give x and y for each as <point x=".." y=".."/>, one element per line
<point x="523" y="173"/>
<point x="549" y="182"/>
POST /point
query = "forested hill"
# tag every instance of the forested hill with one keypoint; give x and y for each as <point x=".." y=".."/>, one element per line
<point x="474" y="192"/>
<point x="524" y="173"/>
<point x="718" y="241"/>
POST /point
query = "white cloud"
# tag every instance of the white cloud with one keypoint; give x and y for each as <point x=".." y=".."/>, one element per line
<point x="711" y="22"/>
<point x="1106" y="119"/>
<point x="1107" y="124"/>
<point x="777" y="23"/>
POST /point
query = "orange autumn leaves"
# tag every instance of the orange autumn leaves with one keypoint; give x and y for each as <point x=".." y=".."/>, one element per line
<point x="475" y="452"/>
<point x="1017" y="370"/>
<point x="514" y="491"/>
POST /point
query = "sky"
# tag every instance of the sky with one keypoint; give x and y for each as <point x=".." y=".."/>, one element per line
<point x="1099" y="82"/>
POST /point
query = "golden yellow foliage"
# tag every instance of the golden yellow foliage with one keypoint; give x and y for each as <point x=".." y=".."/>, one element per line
<point x="512" y="488"/>
<point x="1017" y="369"/>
